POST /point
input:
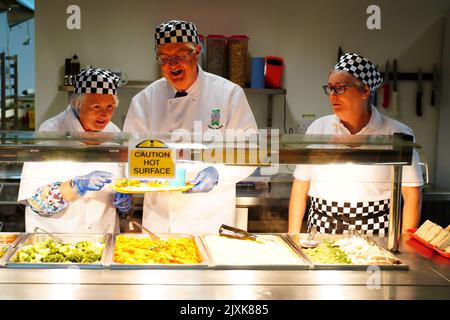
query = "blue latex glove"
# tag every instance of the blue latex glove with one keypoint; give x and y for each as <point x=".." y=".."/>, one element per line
<point x="122" y="202"/>
<point x="205" y="180"/>
<point x="93" y="181"/>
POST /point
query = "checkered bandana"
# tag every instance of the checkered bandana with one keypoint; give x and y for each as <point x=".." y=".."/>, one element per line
<point x="96" y="81"/>
<point x="360" y="68"/>
<point x="176" y="31"/>
<point x="370" y="217"/>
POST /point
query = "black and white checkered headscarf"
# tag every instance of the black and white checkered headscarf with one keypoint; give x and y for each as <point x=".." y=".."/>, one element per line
<point x="176" y="31"/>
<point x="96" y="81"/>
<point x="362" y="69"/>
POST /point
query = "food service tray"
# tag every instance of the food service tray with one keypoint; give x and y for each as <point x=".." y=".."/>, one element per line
<point x="302" y="264"/>
<point x="294" y="237"/>
<point x="10" y="238"/>
<point x="9" y="249"/>
<point x="73" y="238"/>
<point x="204" y="264"/>
<point x="412" y="231"/>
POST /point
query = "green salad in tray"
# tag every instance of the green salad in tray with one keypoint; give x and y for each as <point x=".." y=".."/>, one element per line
<point x="327" y="253"/>
<point x="51" y="251"/>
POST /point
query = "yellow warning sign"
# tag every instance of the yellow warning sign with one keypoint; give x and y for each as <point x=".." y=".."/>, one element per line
<point x="151" y="144"/>
<point x="151" y="159"/>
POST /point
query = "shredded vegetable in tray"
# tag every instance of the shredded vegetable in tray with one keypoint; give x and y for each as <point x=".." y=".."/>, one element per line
<point x="137" y="250"/>
<point x="327" y="253"/>
<point x="50" y="251"/>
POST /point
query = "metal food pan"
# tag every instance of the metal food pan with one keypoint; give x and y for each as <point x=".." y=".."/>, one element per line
<point x="4" y="257"/>
<point x="205" y="263"/>
<point x="72" y="238"/>
<point x="302" y="262"/>
<point x="293" y="238"/>
<point x="10" y="238"/>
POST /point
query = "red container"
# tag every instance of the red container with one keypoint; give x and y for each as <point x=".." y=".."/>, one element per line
<point x="274" y="71"/>
<point x="412" y="231"/>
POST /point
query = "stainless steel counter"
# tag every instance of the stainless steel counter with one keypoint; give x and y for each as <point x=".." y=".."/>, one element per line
<point x="427" y="278"/>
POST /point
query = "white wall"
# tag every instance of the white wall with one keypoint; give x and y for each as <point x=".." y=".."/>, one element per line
<point x="119" y="34"/>
<point x="443" y="154"/>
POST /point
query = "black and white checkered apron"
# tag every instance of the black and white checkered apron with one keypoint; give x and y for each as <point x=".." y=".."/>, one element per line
<point x="369" y="217"/>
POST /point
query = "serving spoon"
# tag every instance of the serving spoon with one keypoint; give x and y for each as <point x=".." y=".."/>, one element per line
<point x="151" y="234"/>
<point x="310" y="242"/>
<point x="36" y="229"/>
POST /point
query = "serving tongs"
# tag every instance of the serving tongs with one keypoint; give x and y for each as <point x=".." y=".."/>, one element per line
<point x="151" y="234"/>
<point x="236" y="233"/>
<point x="36" y="229"/>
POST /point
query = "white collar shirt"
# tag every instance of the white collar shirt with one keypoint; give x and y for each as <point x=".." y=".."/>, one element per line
<point x="356" y="183"/>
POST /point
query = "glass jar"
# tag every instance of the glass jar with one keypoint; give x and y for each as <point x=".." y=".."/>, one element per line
<point x="216" y="46"/>
<point x="238" y="56"/>
<point x="202" y="58"/>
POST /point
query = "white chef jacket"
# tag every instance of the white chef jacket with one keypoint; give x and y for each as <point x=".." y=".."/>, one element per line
<point x="155" y="111"/>
<point x="357" y="183"/>
<point x="92" y="213"/>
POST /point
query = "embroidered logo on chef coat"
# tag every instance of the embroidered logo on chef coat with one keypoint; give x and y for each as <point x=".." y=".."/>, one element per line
<point x="215" y="119"/>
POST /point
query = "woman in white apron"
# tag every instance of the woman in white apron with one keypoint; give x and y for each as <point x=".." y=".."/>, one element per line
<point x="71" y="197"/>
<point x="353" y="197"/>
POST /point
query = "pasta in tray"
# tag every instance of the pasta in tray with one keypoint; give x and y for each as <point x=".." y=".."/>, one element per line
<point x="138" y="250"/>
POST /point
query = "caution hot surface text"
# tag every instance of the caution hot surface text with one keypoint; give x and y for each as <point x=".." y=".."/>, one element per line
<point x="152" y="163"/>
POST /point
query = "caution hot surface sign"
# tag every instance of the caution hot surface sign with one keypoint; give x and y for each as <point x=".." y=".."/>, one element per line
<point x="150" y="159"/>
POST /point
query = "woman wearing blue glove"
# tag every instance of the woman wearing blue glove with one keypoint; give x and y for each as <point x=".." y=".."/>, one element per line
<point x="74" y="197"/>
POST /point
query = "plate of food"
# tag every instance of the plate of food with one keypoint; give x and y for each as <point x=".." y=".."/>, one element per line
<point x="143" y="186"/>
<point x="433" y="236"/>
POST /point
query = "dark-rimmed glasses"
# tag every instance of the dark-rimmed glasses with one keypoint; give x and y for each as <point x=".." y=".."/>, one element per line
<point x="180" y="57"/>
<point x="338" y="89"/>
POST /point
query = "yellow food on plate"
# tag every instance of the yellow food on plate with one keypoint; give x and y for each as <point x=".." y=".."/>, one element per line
<point x="157" y="183"/>
<point x="137" y="184"/>
<point x="123" y="183"/>
<point x="137" y="250"/>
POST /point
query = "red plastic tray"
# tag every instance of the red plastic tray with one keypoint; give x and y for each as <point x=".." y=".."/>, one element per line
<point x="425" y="243"/>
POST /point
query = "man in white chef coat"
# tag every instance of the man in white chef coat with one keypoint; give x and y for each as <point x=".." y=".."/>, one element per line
<point x="186" y="98"/>
<point x="70" y="197"/>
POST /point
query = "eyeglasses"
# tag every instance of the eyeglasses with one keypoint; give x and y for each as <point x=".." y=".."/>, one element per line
<point x="338" y="89"/>
<point x="181" y="57"/>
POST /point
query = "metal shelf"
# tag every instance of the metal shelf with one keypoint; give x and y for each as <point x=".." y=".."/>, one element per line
<point x="8" y="71"/>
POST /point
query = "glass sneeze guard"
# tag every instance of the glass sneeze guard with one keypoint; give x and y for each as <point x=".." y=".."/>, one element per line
<point x="241" y="150"/>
